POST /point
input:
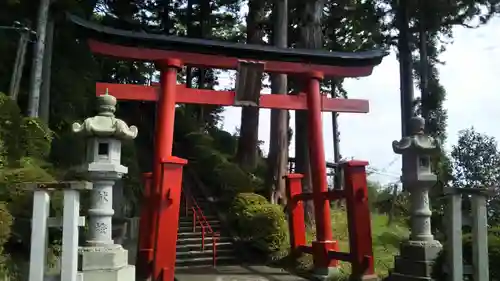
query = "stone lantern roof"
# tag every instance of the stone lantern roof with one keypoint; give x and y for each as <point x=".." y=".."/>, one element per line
<point x="417" y="142"/>
<point x="105" y="124"/>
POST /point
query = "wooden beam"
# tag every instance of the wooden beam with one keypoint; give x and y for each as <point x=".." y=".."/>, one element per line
<point x="223" y="62"/>
<point x="226" y="98"/>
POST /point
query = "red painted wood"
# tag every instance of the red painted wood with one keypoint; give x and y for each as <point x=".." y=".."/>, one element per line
<point x="322" y="251"/>
<point x="222" y="62"/>
<point x="146" y="240"/>
<point x="166" y="178"/>
<point x="167" y="205"/>
<point x="296" y="211"/>
<point x="318" y="173"/>
<point x="226" y="98"/>
<point x="358" y="215"/>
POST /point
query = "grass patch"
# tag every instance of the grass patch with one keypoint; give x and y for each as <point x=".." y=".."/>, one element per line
<point x="386" y="240"/>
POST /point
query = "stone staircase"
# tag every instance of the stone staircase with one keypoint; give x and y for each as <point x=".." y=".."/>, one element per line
<point x="189" y="252"/>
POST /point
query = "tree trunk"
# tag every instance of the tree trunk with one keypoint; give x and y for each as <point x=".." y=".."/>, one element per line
<point x="189" y="69"/>
<point x="311" y="37"/>
<point x="17" y="74"/>
<point x="248" y="140"/>
<point x="337" y="180"/>
<point x="278" y="144"/>
<point x="38" y="53"/>
<point x="166" y="17"/>
<point x="424" y="66"/>
<point x="205" y="11"/>
<point x="405" y="67"/>
<point x="47" y="73"/>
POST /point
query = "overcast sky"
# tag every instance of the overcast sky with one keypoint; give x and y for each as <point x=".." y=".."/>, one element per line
<point x="471" y="77"/>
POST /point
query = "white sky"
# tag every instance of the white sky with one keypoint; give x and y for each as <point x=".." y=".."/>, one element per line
<point x="473" y="99"/>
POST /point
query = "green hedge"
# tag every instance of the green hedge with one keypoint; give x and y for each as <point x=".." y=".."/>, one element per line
<point x="260" y="223"/>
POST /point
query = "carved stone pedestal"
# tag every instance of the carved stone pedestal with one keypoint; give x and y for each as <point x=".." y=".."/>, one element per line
<point x="108" y="263"/>
<point x="416" y="260"/>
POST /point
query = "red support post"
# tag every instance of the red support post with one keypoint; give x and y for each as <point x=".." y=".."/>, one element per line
<point x="145" y="250"/>
<point x="324" y="238"/>
<point x="165" y="115"/>
<point x="359" y="222"/>
<point x="296" y="220"/>
<point x="168" y="204"/>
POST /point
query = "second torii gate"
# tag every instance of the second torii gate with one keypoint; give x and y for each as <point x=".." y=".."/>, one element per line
<point x="158" y="234"/>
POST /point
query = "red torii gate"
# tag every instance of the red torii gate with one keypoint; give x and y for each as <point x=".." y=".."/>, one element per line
<point x="157" y="236"/>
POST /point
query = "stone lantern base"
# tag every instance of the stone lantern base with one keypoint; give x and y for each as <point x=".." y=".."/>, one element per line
<point x="416" y="261"/>
<point x="105" y="263"/>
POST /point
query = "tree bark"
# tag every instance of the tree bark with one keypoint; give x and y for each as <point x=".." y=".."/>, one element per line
<point x="189" y="69"/>
<point x="249" y="130"/>
<point x="17" y="74"/>
<point x="47" y="73"/>
<point x="311" y="37"/>
<point x="424" y="66"/>
<point x="337" y="180"/>
<point x="278" y="144"/>
<point x="38" y="53"/>
<point x="405" y="67"/>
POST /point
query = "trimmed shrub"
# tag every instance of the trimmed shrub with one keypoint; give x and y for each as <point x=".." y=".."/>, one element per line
<point x="260" y="223"/>
<point x="243" y="200"/>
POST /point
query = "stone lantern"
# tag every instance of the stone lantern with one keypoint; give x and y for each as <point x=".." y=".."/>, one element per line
<point x="418" y="177"/>
<point x="418" y="253"/>
<point x="104" y="134"/>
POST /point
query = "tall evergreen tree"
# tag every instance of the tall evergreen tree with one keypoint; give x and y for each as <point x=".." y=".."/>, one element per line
<point x="249" y="131"/>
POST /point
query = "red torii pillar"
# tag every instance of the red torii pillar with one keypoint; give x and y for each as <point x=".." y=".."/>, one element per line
<point x="324" y="239"/>
<point x="158" y="247"/>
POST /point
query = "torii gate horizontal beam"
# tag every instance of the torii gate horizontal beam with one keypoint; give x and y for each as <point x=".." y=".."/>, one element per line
<point x="142" y="46"/>
<point x="226" y="98"/>
<point x="222" y="62"/>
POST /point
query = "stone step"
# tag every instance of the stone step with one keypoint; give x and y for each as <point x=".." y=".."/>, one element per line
<point x="205" y="261"/>
<point x="186" y="239"/>
<point x="189" y="220"/>
<point x="403" y="277"/>
<point x="190" y="234"/>
<point x="189" y="215"/>
<point x="208" y="246"/>
<point x="206" y="211"/>
<point x="205" y="253"/>
<point x="186" y="229"/>
<point x="190" y="223"/>
<point x="197" y="240"/>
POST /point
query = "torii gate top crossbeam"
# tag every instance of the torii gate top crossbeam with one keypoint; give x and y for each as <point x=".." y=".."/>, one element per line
<point x="224" y="55"/>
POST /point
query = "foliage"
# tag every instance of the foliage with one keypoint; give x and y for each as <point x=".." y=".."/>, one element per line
<point x="10" y="129"/>
<point x="493" y="252"/>
<point x="132" y="187"/>
<point x="36" y="138"/>
<point x="476" y="160"/>
<point x="386" y="240"/>
<point x="6" y="221"/>
<point x="25" y="144"/>
<point x="476" y="164"/>
<point x="211" y="155"/>
<point x="260" y="223"/>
